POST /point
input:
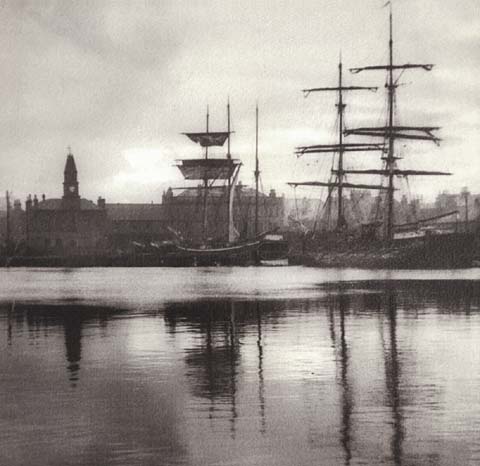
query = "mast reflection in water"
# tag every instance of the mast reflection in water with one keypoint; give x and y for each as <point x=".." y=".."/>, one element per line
<point x="363" y="372"/>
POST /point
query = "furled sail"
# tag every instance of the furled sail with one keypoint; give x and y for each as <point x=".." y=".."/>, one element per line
<point x="207" y="169"/>
<point x="395" y="171"/>
<point x="335" y="184"/>
<point x="209" y="139"/>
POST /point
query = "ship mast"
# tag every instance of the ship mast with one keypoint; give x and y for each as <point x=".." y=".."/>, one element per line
<point x="391" y="132"/>
<point x="257" y="171"/>
<point x="205" y="190"/>
<point x="390" y="162"/>
<point x="209" y="170"/>
<point x="8" y="227"/>
<point x="341" y="223"/>
<point x="229" y="181"/>
<point x="340" y="147"/>
<point x="229" y="156"/>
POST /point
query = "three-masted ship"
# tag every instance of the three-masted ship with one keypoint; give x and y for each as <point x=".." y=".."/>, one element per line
<point x="381" y="242"/>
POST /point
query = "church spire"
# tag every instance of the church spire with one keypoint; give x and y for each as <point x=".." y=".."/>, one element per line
<point x="70" y="181"/>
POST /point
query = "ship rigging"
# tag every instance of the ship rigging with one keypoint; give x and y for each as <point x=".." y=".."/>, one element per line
<point x="388" y="134"/>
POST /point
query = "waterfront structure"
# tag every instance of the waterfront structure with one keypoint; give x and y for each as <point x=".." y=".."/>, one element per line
<point x="12" y="225"/>
<point x="143" y="223"/>
<point x="75" y="226"/>
<point x="66" y="226"/>
<point x="184" y="212"/>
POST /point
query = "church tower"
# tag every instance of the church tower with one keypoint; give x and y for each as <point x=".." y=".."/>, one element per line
<point x="70" y="182"/>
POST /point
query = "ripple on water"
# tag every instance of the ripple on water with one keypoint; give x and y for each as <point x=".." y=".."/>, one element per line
<point x="239" y="366"/>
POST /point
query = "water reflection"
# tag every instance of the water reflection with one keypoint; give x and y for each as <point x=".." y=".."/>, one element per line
<point x="261" y="381"/>
<point x="385" y="300"/>
<point x="214" y="360"/>
<point x="392" y="376"/>
<point x="72" y="326"/>
<point x="360" y="375"/>
<point x="347" y="396"/>
<point x="49" y="318"/>
<point x="445" y="296"/>
<point x="339" y="305"/>
<point x="9" y="323"/>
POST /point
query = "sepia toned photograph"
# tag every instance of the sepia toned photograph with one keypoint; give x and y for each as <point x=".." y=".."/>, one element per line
<point x="240" y="233"/>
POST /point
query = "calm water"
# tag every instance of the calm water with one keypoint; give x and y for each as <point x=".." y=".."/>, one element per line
<point x="239" y="366"/>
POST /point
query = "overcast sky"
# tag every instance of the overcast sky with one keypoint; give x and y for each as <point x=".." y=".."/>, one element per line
<point x="118" y="81"/>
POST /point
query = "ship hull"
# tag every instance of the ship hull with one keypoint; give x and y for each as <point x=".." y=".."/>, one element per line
<point x="258" y="252"/>
<point x="456" y="250"/>
<point x="241" y="254"/>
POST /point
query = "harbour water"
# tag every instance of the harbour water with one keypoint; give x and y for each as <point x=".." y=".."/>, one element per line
<point x="239" y="366"/>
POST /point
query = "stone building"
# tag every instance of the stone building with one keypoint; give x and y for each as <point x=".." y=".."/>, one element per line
<point x="143" y="223"/>
<point x="74" y="226"/>
<point x="13" y="229"/>
<point x="184" y="212"/>
<point x="70" y="225"/>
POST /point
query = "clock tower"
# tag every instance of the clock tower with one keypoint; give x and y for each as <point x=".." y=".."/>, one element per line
<point x="70" y="182"/>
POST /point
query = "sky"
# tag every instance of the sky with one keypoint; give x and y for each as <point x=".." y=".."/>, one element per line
<point x="119" y="81"/>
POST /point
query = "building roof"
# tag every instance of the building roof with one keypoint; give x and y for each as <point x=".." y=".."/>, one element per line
<point x="219" y="191"/>
<point x="135" y="212"/>
<point x="57" y="204"/>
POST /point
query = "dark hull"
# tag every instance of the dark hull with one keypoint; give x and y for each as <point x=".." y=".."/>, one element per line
<point x="273" y="250"/>
<point x="456" y="250"/>
<point x="243" y="254"/>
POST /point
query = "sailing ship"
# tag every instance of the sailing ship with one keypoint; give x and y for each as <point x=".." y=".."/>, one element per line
<point x="381" y="242"/>
<point x="210" y="171"/>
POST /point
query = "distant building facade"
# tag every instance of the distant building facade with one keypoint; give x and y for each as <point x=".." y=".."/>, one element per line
<point x="361" y="207"/>
<point x="185" y="212"/>
<point x="12" y="229"/>
<point x="143" y="223"/>
<point x="72" y="225"/>
<point x="67" y="226"/>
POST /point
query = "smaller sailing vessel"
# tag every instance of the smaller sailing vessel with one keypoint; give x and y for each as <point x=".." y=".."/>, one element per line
<point x="214" y="173"/>
<point x="382" y="243"/>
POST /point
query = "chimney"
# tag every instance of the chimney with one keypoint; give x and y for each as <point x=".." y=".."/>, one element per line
<point x="101" y="202"/>
<point x="35" y="201"/>
<point x="43" y="197"/>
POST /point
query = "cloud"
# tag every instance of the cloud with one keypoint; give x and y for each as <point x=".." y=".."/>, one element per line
<point x="107" y="77"/>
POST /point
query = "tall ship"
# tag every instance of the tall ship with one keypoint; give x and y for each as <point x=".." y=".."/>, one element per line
<point x="218" y="176"/>
<point x="382" y="241"/>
